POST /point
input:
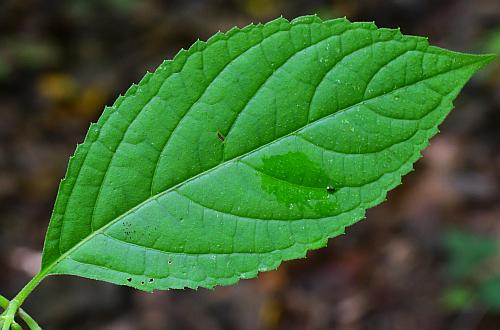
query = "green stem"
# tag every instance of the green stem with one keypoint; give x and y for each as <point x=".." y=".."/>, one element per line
<point x="4" y="302"/>
<point x="30" y="322"/>
<point x="9" y="314"/>
<point x="13" y="307"/>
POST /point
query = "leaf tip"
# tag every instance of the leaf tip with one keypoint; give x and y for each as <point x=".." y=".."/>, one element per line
<point x="487" y="58"/>
<point x="479" y="61"/>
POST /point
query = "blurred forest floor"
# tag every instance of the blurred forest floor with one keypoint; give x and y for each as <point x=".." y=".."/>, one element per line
<point x="428" y="258"/>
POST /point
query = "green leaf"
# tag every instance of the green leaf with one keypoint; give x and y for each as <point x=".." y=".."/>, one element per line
<point x="467" y="251"/>
<point x="247" y="150"/>
<point x="490" y="293"/>
<point x="458" y="298"/>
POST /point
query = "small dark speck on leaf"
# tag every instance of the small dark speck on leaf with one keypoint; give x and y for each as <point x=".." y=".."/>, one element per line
<point x="142" y="282"/>
<point x="169" y="262"/>
<point x="220" y="136"/>
<point x="129" y="279"/>
<point x="151" y="280"/>
<point x="330" y="189"/>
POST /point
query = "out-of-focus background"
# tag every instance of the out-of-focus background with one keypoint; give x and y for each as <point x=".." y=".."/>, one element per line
<point x="429" y="258"/>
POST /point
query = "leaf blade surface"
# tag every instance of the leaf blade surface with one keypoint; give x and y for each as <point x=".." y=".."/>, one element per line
<point x="248" y="150"/>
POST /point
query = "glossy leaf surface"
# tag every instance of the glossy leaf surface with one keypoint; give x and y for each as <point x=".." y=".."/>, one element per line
<point x="248" y="150"/>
